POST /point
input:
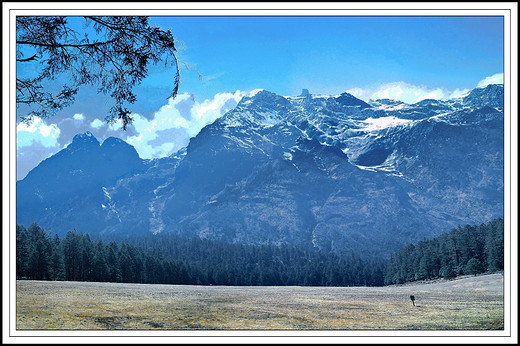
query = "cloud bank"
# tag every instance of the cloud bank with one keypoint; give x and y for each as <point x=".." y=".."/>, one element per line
<point x="410" y="93"/>
<point x="37" y="132"/>
<point x="401" y="91"/>
<point x="497" y="78"/>
<point x="176" y="122"/>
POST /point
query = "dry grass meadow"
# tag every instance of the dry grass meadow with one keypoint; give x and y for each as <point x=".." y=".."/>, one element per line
<point x="471" y="303"/>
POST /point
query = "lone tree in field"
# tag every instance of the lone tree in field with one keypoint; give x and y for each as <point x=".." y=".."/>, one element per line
<point x="110" y="53"/>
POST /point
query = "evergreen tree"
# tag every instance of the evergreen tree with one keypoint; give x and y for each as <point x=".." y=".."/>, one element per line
<point x="100" y="271"/>
<point x="473" y="267"/>
<point x="71" y="250"/>
<point x="38" y="260"/>
<point x="22" y="251"/>
<point x="112" y="259"/>
<point x="447" y="272"/>
<point x="494" y="246"/>
<point x="57" y="263"/>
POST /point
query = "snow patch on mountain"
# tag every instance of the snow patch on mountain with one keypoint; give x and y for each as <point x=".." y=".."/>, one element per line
<point x="253" y="93"/>
<point x="376" y="124"/>
<point x="111" y="205"/>
<point x="394" y="107"/>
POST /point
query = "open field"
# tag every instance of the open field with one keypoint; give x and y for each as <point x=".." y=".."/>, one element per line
<point x="472" y="303"/>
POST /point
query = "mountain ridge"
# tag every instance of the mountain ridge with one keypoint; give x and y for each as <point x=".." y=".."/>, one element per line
<point x="330" y="172"/>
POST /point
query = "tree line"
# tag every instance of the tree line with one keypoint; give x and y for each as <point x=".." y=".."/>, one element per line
<point x="170" y="259"/>
<point x="175" y="260"/>
<point x="41" y="256"/>
<point x="467" y="250"/>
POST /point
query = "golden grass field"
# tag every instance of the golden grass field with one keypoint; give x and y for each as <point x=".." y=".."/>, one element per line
<point x="471" y="303"/>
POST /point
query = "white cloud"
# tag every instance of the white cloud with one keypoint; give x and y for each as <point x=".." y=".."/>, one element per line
<point x="401" y="91"/>
<point x="459" y="93"/>
<point x="212" y="76"/>
<point x="37" y="132"/>
<point x="410" y="93"/>
<point x="208" y="111"/>
<point x="254" y="92"/>
<point x="79" y="117"/>
<point x="497" y="78"/>
<point x="360" y="93"/>
<point x="96" y="123"/>
<point x="170" y="128"/>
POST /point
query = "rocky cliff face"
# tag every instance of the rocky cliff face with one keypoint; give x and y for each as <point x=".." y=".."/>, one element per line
<point x="331" y="172"/>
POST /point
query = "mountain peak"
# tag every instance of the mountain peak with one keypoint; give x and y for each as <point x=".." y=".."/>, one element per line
<point x="253" y="93"/>
<point x="117" y="148"/>
<point x="492" y="95"/>
<point x="264" y="98"/>
<point x="347" y="99"/>
<point x="84" y="138"/>
<point x="84" y="134"/>
<point x="260" y="94"/>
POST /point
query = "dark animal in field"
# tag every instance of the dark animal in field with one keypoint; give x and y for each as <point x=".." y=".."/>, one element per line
<point x="413" y="300"/>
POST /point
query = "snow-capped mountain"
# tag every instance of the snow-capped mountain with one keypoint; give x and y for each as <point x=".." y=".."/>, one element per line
<point x="331" y="172"/>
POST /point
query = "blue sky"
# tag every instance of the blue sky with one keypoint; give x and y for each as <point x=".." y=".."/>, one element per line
<point x="333" y="54"/>
<point x="407" y="58"/>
